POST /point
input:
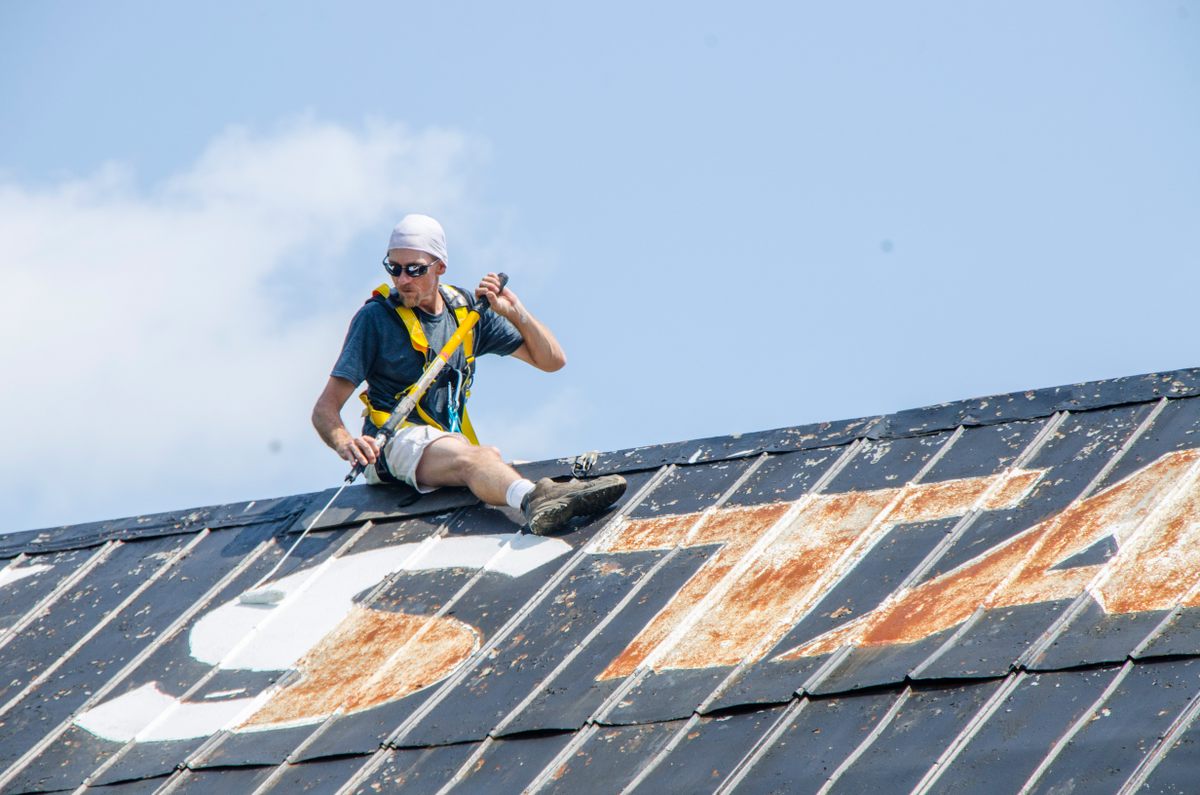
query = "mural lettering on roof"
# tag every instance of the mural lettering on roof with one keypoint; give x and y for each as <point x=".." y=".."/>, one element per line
<point x="774" y="563"/>
<point x="768" y="567"/>
<point x="345" y="656"/>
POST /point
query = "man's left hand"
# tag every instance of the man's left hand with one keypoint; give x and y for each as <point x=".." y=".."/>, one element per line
<point x="504" y="302"/>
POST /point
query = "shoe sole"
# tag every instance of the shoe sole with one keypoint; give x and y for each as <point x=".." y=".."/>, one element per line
<point x="584" y="502"/>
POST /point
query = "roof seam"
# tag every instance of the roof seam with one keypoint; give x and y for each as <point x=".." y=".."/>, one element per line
<point x="166" y="636"/>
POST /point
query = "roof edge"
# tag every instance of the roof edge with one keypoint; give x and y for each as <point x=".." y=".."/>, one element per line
<point x="365" y="502"/>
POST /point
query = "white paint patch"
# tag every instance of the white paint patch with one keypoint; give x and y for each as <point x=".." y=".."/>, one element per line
<point x="8" y="576"/>
<point x="136" y="714"/>
<point x="316" y="600"/>
<point x="257" y="638"/>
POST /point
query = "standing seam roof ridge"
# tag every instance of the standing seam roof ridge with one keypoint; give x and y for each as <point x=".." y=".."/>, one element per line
<point x="1084" y="718"/>
<point x="590" y="725"/>
<point x="108" y="617"/>
<point x="66" y="584"/>
<point x="632" y="680"/>
<point x="827" y="585"/>
<point x="1142" y="772"/>
<point x="1050" y="633"/>
<point x="931" y="559"/>
<point x="421" y="550"/>
<point x="165" y="637"/>
<point x="1128" y="441"/>
<point x="214" y="741"/>
<point x="447" y="686"/>
<point x="132" y="665"/>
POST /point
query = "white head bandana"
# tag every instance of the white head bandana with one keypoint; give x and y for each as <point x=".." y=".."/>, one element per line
<point x="420" y="233"/>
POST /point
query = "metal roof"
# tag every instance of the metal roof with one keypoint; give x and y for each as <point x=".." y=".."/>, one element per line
<point x="995" y="595"/>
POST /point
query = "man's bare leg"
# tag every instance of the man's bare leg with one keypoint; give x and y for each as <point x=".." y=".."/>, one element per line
<point x="452" y="461"/>
<point x="548" y="506"/>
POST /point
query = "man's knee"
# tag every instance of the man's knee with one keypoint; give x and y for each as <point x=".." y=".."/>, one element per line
<point x="450" y="460"/>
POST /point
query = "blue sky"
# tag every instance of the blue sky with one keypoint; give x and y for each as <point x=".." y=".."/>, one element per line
<point x="735" y="217"/>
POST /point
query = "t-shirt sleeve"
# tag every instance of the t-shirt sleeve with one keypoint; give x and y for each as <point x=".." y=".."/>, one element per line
<point x="496" y="335"/>
<point x="359" y="349"/>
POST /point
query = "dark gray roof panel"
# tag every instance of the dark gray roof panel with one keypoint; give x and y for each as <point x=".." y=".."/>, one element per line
<point x="815" y="739"/>
<point x="963" y="593"/>
<point x="1103" y="753"/>
<point x="413" y="771"/>
<point x="509" y="765"/>
<point x="1016" y="733"/>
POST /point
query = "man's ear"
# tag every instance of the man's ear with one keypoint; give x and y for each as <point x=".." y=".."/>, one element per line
<point x="441" y="268"/>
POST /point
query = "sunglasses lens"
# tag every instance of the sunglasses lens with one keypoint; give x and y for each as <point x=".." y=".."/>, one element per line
<point x="413" y="269"/>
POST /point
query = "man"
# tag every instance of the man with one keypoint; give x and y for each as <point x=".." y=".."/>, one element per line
<point x="391" y="340"/>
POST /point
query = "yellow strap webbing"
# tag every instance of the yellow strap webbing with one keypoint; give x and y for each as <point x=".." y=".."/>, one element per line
<point x="378" y="418"/>
<point x="416" y="334"/>
<point x="416" y="337"/>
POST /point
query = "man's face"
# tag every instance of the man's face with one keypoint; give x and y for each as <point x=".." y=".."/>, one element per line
<point x="417" y="291"/>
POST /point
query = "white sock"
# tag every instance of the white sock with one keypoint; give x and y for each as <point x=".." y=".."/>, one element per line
<point x="517" y="491"/>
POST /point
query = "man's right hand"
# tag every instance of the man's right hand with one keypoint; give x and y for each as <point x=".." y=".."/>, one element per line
<point x="361" y="450"/>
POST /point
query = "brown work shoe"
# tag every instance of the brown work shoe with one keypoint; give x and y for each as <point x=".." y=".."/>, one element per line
<point x="551" y="505"/>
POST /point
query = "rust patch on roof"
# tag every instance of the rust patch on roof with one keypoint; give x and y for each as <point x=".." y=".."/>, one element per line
<point x="1154" y="515"/>
<point x="765" y="577"/>
<point x="371" y="658"/>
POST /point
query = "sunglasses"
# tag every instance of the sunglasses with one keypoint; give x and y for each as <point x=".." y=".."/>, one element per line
<point x="413" y="269"/>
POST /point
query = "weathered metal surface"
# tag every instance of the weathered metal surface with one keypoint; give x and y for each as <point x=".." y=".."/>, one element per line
<point x="620" y="751"/>
<point x="964" y="593"/>
<point x="413" y="771"/>
<point x="98" y="665"/>
<point x="1105" y="750"/>
<point x="28" y="582"/>
<point x="173" y="670"/>
<point x="509" y="765"/>
<point x="912" y="738"/>
<point x="1015" y="733"/>
<point x="704" y="752"/>
<point x="815" y="739"/>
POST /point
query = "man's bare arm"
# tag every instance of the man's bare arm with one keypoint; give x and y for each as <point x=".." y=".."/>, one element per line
<point x="327" y="419"/>
<point x="540" y="348"/>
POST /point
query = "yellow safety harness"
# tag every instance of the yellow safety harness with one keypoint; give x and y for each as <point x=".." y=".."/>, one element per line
<point x="457" y="301"/>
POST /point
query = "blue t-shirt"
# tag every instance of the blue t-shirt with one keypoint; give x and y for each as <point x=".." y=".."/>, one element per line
<point x="377" y="350"/>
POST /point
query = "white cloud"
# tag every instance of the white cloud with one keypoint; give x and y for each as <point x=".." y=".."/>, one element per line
<point x="163" y="345"/>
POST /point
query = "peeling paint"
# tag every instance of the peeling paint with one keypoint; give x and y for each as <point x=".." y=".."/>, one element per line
<point x="748" y="594"/>
<point x="1153" y="515"/>
<point x="346" y="656"/>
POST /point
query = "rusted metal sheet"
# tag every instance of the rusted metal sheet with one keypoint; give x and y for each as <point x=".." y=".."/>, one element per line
<point x="488" y="605"/>
<point x="913" y="628"/>
<point x="354" y="667"/>
<point x="534" y="650"/>
<point x="790" y="610"/>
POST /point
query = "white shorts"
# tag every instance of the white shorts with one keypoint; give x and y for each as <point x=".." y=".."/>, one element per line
<point x="403" y="452"/>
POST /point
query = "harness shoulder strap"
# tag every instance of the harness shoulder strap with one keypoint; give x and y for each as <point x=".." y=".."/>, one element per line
<point x="459" y="302"/>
